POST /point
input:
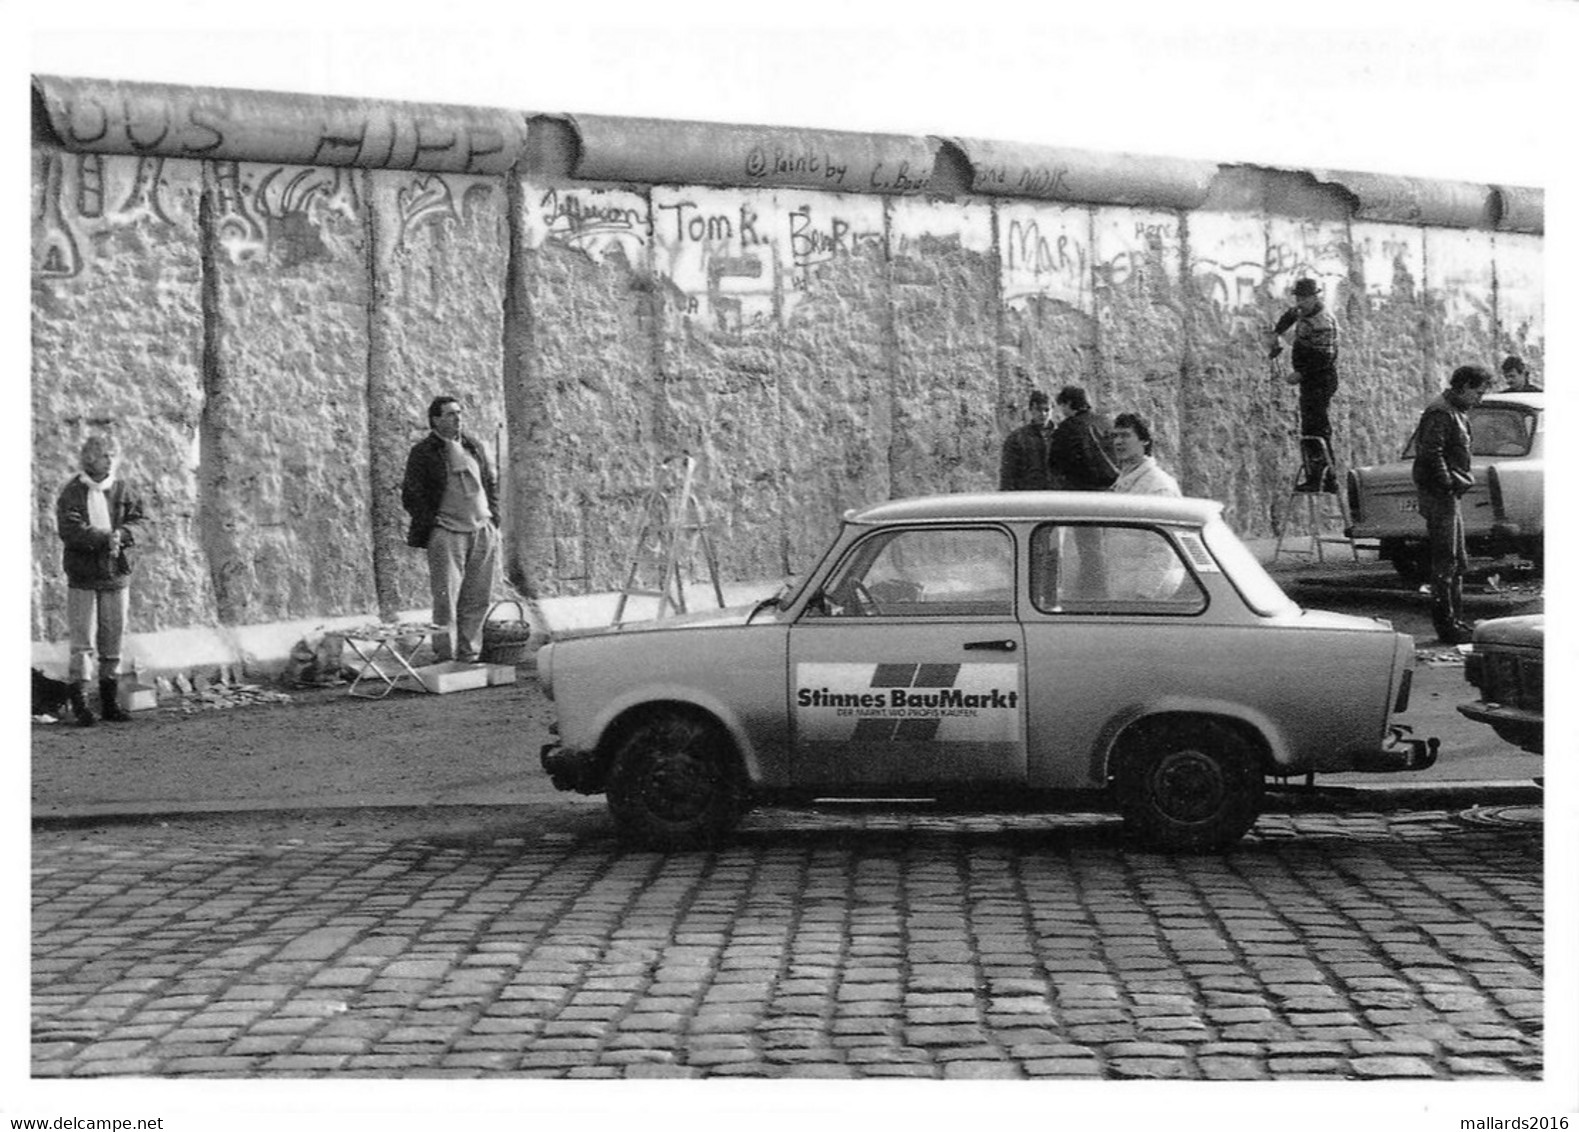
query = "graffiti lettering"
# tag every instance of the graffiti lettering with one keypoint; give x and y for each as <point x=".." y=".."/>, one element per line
<point x="1029" y="250"/>
<point x="761" y="163"/>
<point x="696" y="227"/>
<point x="55" y="254"/>
<point x="573" y="218"/>
<point x="1044" y="181"/>
<point x="90" y="186"/>
<point x="426" y="200"/>
<point x="144" y="194"/>
<point x="903" y="179"/>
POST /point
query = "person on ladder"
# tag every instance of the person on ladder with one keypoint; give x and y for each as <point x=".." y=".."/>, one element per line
<point x="1315" y="369"/>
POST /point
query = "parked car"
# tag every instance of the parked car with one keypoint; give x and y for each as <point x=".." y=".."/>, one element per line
<point x="1024" y="647"/>
<point x="1503" y="512"/>
<point x="1506" y="663"/>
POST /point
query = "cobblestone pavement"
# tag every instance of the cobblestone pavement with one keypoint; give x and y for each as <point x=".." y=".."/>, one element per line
<point x="818" y="944"/>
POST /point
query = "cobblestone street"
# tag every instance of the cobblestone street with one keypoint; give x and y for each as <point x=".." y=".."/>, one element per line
<point x="818" y="944"/>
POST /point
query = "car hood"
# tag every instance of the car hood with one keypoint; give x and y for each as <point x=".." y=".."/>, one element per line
<point x="1528" y="630"/>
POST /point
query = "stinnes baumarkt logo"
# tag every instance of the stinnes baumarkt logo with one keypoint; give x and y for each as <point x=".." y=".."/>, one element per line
<point x="908" y="702"/>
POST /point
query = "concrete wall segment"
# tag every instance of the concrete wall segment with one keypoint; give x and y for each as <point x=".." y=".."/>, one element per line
<point x="1520" y="209"/>
<point x="117" y="332"/>
<point x="215" y="124"/>
<point x="1015" y="169"/>
<point x="1413" y="200"/>
<point x="658" y="151"/>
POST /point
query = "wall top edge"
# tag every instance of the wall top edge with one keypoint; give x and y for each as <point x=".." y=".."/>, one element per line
<point x="214" y="124"/>
<point x="1002" y="168"/>
<point x="1448" y="204"/>
<point x="666" y="151"/>
<point x="89" y="115"/>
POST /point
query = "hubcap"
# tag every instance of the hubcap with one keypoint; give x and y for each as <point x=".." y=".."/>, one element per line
<point x="1189" y="786"/>
<point x="676" y="784"/>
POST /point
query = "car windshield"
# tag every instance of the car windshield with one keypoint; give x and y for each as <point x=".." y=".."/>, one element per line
<point x="1495" y="430"/>
<point x="1255" y="585"/>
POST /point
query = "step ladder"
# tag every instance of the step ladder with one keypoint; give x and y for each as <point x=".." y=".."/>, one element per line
<point x="673" y="527"/>
<point x="1318" y="514"/>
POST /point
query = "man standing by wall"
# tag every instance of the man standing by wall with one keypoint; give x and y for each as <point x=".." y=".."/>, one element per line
<point x="97" y="517"/>
<point x="1315" y="368"/>
<point x="1442" y="475"/>
<point x="453" y="499"/>
<point x="1023" y="466"/>
<point x="1077" y="453"/>
<point x="1138" y="471"/>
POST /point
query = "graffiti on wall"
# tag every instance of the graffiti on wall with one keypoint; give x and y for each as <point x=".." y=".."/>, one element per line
<point x="733" y="254"/>
<point x="87" y="190"/>
<point x="1134" y="248"/>
<point x="608" y="225"/>
<point x="277" y="210"/>
<point x="156" y="121"/>
<point x="913" y="223"/>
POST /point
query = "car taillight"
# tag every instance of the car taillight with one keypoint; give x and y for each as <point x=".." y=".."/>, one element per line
<point x="1494" y="489"/>
<point x="1401" y="704"/>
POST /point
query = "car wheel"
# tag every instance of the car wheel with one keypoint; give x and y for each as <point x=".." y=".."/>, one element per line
<point x="673" y="782"/>
<point x="1412" y="560"/>
<point x="1190" y="785"/>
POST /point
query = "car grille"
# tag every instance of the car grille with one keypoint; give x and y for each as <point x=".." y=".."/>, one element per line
<point x="1511" y="679"/>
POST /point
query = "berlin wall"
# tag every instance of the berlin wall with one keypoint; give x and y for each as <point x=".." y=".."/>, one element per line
<point x="258" y="294"/>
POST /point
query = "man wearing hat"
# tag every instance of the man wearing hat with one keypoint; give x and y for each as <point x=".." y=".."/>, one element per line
<point x="1023" y="465"/>
<point x="1315" y="361"/>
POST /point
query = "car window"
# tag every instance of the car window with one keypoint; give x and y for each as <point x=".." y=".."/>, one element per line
<point x="1495" y="430"/>
<point x="962" y="572"/>
<point x="1092" y="568"/>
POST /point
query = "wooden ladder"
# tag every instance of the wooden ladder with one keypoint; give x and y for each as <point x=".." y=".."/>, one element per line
<point x="673" y="527"/>
<point x="1318" y="516"/>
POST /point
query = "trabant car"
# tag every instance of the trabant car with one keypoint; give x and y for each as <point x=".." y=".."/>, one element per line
<point x="1506" y="663"/>
<point x="1503" y="512"/>
<point x="1029" y="648"/>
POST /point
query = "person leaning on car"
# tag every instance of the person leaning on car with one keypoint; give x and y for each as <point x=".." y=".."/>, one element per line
<point x="453" y="499"/>
<point x="1442" y="474"/>
<point x="1023" y="465"/>
<point x="97" y="516"/>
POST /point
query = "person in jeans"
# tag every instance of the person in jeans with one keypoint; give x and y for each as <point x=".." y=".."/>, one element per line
<point x="1315" y="368"/>
<point x="97" y="517"/>
<point x="452" y="497"/>
<point x="1442" y="475"/>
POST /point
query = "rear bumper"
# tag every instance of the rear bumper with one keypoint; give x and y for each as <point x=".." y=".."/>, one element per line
<point x="1400" y="753"/>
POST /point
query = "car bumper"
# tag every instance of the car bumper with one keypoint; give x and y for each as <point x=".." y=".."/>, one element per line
<point x="1517" y="725"/>
<point x="1400" y="753"/>
<point x="579" y="771"/>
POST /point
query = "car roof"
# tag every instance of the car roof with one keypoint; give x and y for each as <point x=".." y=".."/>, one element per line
<point x="1037" y="505"/>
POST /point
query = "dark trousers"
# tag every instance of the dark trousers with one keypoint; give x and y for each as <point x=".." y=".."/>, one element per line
<point x="1444" y="525"/>
<point x="1315" y="397"/>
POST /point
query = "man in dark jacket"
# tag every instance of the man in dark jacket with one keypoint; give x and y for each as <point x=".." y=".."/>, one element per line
<point x="1077" y="454"/>
<point x="1023" y="465"/>
<point x="1315" y="368"/>
<point x="1442" y="475"/>
<point x="453" y="499"/>
<point x="97" y="516"/>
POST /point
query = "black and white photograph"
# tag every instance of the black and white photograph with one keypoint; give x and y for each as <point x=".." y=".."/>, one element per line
<point x="825" y="563"/>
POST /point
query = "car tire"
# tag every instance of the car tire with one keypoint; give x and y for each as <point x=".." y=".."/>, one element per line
<point x="1412" y="560"/>
<point x="673" y="782"/>
<point x="1191" y="785"/>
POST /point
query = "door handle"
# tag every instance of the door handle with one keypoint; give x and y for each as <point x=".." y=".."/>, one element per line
<point x="999" y="646"/>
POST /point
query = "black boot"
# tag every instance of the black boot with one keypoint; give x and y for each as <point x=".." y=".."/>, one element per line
<point x="110" y="702"/>
<point x="79" y="706"/>
<point x="1450" y="628"/>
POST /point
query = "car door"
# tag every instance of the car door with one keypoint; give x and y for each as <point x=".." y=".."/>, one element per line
<point x="1116" y="619"/>
<point x="907" y="668"/>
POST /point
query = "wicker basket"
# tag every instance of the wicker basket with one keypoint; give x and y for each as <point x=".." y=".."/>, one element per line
<point x="505" y="641"/>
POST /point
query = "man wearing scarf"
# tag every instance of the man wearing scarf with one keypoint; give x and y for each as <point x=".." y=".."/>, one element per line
<point x="97" y="517"/>
<point x="1315" y="368"/>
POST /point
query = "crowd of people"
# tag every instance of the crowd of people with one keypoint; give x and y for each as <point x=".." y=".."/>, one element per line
<point x="1079" y="453"/>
